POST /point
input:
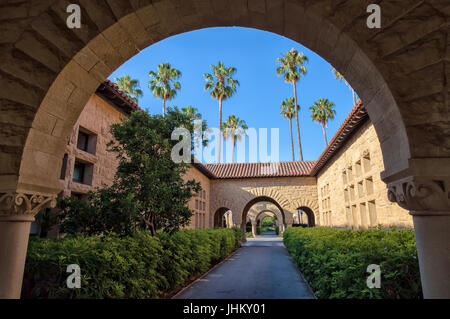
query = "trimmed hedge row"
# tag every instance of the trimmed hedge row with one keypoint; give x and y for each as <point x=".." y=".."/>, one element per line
<point x="335" y="261"/>
<point x="132" y="267"/>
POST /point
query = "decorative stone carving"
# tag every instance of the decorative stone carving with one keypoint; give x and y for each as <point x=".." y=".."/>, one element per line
<point x="24" y="204"/>
<point x="420" y="194"/>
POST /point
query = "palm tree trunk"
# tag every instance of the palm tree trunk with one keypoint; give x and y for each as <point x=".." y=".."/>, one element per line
<point x="324" y="134"/>
<point x="354" y="98"/>
<point x="220" y="130"/>
<point x="292" y="139"/>
<point x="298" y="125"/>
<point x="234" y="146"/>
<point x="164" y="107"/>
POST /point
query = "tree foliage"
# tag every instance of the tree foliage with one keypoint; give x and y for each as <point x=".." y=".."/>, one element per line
<point x="148" y="191"/>
<point x="321" y="112"/>
<point x="130" y="87"/>
<point x="292" y="67"/>
<point x="163" y="83"/>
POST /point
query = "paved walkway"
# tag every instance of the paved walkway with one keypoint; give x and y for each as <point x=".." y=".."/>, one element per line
<point x="261" y="269"/>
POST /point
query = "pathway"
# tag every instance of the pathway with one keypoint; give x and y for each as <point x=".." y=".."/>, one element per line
<point x="261" y="269"/>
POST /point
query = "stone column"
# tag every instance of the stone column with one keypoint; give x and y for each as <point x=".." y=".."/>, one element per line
<point x="17" y="211"/>
<point x="428" y="200"/>
<point x="253" y="229"/>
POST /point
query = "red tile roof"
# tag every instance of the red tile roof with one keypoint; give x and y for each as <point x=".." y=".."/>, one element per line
<point x="111" y="92"/>
<point x="255" y="170"/>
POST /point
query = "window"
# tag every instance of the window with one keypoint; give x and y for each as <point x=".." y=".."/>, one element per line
<point x="348" y="214"/>
<point x="358" y="170"/>
<point x="349" y="173"/>
<point x="87" y="141"/>
<point x="78" y="172"/>
<point x="366" y="161"/>
<point x="369" y="186"/>
<point x="83" y="172"/>
<point x="363" y="213"/>
<point x="354" y="217"/>
<point x="352" y="192"/>
<point x="372" y="213"/>
<point x="64" y="167"/>
<point x="360" y="189"/>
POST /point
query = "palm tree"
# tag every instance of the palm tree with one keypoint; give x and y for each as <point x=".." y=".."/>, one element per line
<point x="322" y="111"/>
<point x="161" y="83"/>
<point x="130" y="87"/>
<point x="222" y="86"/>
<point x="288" y="111"/>
<point x="339" y="76"/>
<point x="192" y="112"/>
<point x="292" y="67"/>
<point x="234" y="128"/>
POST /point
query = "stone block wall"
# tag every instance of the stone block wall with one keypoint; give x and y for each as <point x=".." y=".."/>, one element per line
<point x="350" y="191"/>
<point x="95" y="121"/>
<point x="200" y="204"/>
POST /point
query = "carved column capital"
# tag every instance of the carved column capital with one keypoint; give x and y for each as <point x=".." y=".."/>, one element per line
<point x="19" y="206"/>
<point x="427" y="195"/>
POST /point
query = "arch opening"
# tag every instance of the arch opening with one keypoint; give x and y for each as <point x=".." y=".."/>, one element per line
<point x="304" y="217"/>
<point x="223" y="218"/>
<point x="257" y="200"/>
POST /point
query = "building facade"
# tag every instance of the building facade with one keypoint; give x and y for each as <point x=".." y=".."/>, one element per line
<point x="341" y="189"/>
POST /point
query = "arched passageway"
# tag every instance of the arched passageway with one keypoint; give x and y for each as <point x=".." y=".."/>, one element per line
<point x="251" y="203"/>
<point x="223" y="217"/>
<point x="305" y="216"/>
<point x="48" y="73"/>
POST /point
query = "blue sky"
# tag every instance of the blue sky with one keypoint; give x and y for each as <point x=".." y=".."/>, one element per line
<point x="257" y="101"/>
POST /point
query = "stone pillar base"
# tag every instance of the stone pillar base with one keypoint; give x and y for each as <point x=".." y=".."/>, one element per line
<point x="433" y="248"/>
<point x="17" y="211"/>
<point x="14" y="234"/>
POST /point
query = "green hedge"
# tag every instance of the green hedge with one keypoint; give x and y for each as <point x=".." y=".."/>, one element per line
<point x="335" y="261"/>
<point x="133" y="267"/>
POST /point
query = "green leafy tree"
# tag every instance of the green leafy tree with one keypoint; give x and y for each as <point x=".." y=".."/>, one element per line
<point x="322" y="112"/>
<point x="143" y="145"/>
<point x="292" y="67"/>
<point x="222" y="87"/>
<point x="148" y="191"/>
<point x="109" y="209"/>
<point x="288" y="111"/>
<point x="235" y="129"/>
<point x="340" y="77"/>
<point x="164" y="84"/>
<point x="130" y="87"/>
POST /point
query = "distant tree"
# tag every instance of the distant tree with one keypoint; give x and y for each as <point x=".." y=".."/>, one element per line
<point x="292" y="66"/>
<point x="163" y="83"/>
<point x="234" y="128"/>
<point x="340" y="77"/>
<point x="222" y="87"/>
<point x="322" y="111"/>
<point x="130" y="87"/>
<point x="288" y="111"/>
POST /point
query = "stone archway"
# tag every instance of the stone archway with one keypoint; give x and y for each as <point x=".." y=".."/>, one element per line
<point x="253" y="202"/>
<point x="266" y="209"/>
<point x="309" y="214"/>
<point x="220" y="218"/>
<point x="48" y="72"/>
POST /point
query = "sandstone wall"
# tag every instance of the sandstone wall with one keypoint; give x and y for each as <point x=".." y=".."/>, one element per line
<point x="96" y="118"/>
<point x="350" y="191"/>
<point x="200" y="205"/>
<point x="289" y="192"/>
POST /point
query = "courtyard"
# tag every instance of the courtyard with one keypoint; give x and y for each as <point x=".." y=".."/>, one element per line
<point x="386" y="165"/>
